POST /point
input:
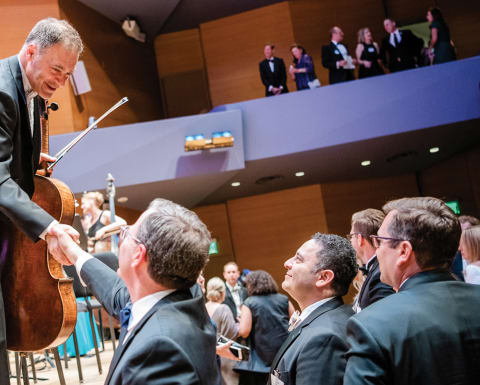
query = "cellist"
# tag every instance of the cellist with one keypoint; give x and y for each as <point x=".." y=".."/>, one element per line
<point x="44" y="63"/>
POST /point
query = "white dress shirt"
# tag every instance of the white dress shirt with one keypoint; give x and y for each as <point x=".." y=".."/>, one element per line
<point x="236" y="295"/>
<point x="397" y="34"/>
<point x="309" y="309"/>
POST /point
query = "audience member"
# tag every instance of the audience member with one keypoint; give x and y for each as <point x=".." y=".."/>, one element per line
<point x="264" y="319"/>
<point x="317" y="277"/>
<point x="273" y="73"/>
<point x="400" y="50"/>
<point x="336" y="59"/>
<point x="429" y="331"/>
<point x="458" y="264"/>
<point x="470" y="248"/>
<point x="236" y="293"/>
<point x="97" y="222"/>
<point x="364" y="224"/>
<point x="302" y="70"/>
<point x="440" y="45"/>
<point x="166" y="335"/>
<point x="226" y="325"/>
<point x="368" y="55"/>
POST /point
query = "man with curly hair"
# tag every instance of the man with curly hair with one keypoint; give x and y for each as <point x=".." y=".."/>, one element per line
<point x="166" y="335"/>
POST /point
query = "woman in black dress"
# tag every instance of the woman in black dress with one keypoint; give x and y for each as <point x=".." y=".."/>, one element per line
<point x="367" y="52"/>
<point x="440" y="46"/>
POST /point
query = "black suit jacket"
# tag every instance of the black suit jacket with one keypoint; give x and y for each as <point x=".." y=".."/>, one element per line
<point x="276" y="78"/>
<point x="174" y="343"/>
<point x="373" y="289"/>
<point x="19" y="155"/>
<point x="427" y="333"/>
<point x="313" y="353"/>
<point x="330" y="56"/>
<point x="231" y="303"/>
<point x="403" y="56"/>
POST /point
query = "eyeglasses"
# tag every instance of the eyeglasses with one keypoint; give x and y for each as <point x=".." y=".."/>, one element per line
<point x="377" y="240"/>
<point x="350" y="236"/>
<point x="124" y="233"/>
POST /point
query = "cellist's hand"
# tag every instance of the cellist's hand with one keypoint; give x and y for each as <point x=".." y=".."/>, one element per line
<point x="44" y="162"/>
<point x="59" y="238"/>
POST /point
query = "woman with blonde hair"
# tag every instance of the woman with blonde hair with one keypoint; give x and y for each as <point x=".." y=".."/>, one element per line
<point x="226" y="326"/>
<point x="470" y="249"/>
<point x="367" y="52"/>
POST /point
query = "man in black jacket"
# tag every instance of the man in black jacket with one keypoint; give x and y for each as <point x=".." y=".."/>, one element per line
<point x="429" y="331"/>
<point x="400" y="50"/>
<point x="335" y="58"/>
<point x="235" y="293"/>
<point x="44" y="63"/>
<point x="317" y="277"/>
<point x="364" y="224"/>
<point x="167" y="336"/>
<point x="273" y="73"/>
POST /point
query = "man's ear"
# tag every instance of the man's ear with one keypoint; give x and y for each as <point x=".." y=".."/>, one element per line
<point x="325" y="278"/>
<point x="140" y="255"/>
<point x="31" y="51"/>
<point x="406" y="253"/>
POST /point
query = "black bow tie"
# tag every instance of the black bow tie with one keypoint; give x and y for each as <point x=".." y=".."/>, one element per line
<point x="363" y="269"/>
<point x="271" y="60"/>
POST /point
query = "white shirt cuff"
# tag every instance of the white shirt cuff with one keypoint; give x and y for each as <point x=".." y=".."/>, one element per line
<point x="45" y="232"/>
<point x="81" y="259"/>
<point x="270" y="88"/>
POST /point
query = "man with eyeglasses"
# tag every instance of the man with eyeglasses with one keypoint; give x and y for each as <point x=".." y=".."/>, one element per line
<point x="429" y="331"/>
<point x="364" y="224"/>
<point x="166" y="335"/>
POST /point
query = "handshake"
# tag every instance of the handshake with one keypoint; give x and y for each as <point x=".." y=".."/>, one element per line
<point x="62" y="241"/>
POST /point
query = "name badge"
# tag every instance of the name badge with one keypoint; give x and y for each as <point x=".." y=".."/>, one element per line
<point x="337" y="52"/>
<point x="274" y="380"/>
<point x="371" y="49"/>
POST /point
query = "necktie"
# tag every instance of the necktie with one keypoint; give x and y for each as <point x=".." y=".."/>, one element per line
<point x="395" y="39"/>
<point x="125" y="315"/>
<point x="294" y="321"/>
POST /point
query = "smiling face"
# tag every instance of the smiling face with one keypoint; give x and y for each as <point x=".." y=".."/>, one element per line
<point x="48" y="69"/>
<point x="389" y="25"/>
<point x="231" y="274"/>
<point x="268" y="51"/>
<point x="300" y="277"/>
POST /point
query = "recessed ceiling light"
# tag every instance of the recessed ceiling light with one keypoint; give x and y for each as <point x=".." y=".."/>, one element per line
<point x="366" y="163"/>
<point x="236" y="184"/>
<point x="300" y="173"/>
<point x="433" y="150"/>
<point x="122" y="199"/>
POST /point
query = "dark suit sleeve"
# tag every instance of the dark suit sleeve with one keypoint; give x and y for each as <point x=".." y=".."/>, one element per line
<point x="262" y="75"/>
<point x="328" y="58"/>
<point x="106" y="285"/>
<point x="321" y="361"/>
<point x="365" y="361"/>
<point x="282" y="73"/>
<point x="14" y="202"/>
<point x="160" y="362"/>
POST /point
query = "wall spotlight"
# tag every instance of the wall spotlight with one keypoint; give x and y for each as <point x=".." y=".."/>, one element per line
<point x="433" y="150"/>
<point x="366" y="163"/>
<point x="235" y="184"/>
<point x="300" y="173"/>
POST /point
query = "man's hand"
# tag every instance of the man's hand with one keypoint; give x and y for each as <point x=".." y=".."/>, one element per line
<point x="45" y="159"/>
<point x="223" y="350"/>
<point x="62" y="243"/>
<point x="342" y="63"/>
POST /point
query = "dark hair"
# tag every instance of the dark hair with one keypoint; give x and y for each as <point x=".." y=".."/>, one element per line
<point x="336" y="254"/>
<point x="295" y="60"/>
<point x="272" y="46"/>
<point x="259" y="282"/>
<point x="430" y="226"/>
<point x="177" y="244"/>
<point x="367" y="222"/>
<point x="436" y="14"/>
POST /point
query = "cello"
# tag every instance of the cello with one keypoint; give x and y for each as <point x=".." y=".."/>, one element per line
<point x="40" y="305"/>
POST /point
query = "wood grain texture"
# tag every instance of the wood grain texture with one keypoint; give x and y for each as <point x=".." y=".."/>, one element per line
<point x="268" y="229"/>
<point x="233" y="47"/>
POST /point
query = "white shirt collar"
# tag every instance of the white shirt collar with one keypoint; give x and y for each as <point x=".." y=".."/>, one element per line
<point x="309" y="309"/>
<point x="237" y="286"/>
<point x="369" y="261"/>
<point x="141" y="307"/>
<point x="29" y="92"/>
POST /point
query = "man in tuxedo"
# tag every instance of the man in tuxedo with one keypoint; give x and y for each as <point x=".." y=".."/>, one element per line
<point x="167" y="336"/>
<point x="364" y="224"/>
<point x="235" y="293"/>
<point x="273" y="73"/>
<point x="400" y="50"/>
<point x="317" y="277"/>
<point x="334" y="58"/>
<point x="44" y="63"/>
<point x="429" y="331"/>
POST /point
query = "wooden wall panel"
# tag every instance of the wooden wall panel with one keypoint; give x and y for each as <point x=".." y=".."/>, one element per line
<point x="117" y="66"/>
<point x="268" y="229"/>
<point x="455" y="178"/>
<point x="312" y="20"/>
<point x="407" y="11"/>
<point x="130" y="215"/>
<point x="342" y="199"/>
<point x="233" y="48"/>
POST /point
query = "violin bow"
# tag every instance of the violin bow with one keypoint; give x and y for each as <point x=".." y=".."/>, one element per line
<point x="59" y="155"/>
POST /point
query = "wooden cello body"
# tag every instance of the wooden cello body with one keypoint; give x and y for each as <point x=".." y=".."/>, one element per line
<point x="40" y="305"/>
